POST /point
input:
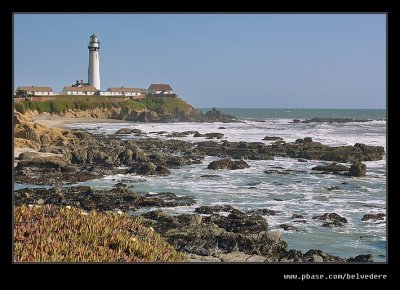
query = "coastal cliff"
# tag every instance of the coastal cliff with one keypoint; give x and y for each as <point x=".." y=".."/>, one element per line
<point x="162" y="110"/>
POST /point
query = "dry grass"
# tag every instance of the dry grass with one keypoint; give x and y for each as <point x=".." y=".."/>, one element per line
<point x="60" y="234"/>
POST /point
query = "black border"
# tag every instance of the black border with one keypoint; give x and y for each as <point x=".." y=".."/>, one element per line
<point x="199" y="274"/>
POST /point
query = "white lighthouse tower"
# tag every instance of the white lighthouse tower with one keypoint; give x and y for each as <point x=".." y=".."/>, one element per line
<point x="94" y="64"/>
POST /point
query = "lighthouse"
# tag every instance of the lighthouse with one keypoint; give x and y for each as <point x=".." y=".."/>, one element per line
<point x="94" y="63"/>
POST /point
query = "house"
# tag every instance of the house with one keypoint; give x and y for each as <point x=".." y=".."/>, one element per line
<point x="127" y="92"/>
<point x="84" y="91"/>
<point x="34" y="91"/>
<point x="159" y="89"/>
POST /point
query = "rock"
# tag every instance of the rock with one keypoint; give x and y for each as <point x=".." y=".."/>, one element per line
<point x="166" y="199"/>
<point x="256" y="259"/>
<point x="330" y="188"/>
<point x="263" y="211"/>
<point x="127" y="131"/>
<point x="217" y="208"/>
<point x="333" y="167"/>
<point x="182" y="134"/>
<point x="239" y="223"/>
<point x="148" y="168"/>
<point x="81" y="135"/>
<point x="48" y="162"/>
<point x="286" y="227"/>
<point x="297" y="216"/>
<point x="361" y="259"/>
<point x="269" y="138"/>
<point x="332" y="224"/>
<point x="301" y="160"/>
<point x="234" y="256"/>
<point x="28" y="155"/>
<point x="296" y="121"/>
<point x="306" y="149"/>
<point x="378" y="216"/>
<point x="214" y="135"/>
<point x="228" y="164"/>
<point x="332" y="220"/>
<point x="317" y="259"/>
<point x="120" y="185"/>
<point x="162" y="170"/>
<point x="25" y="143"/>
<point x="358" y="169"/>
<point x="190" y="219"/>
<point x="40" y="201"/>
<point x="210" y="176"/>
<point x="217" y="116"/>
<point x="81" y="196"/>
<point x="314" y="256"/>
<point x="221" y="128"/>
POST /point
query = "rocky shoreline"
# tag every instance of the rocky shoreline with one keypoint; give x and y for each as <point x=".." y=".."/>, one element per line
<point x="220" y="234"/>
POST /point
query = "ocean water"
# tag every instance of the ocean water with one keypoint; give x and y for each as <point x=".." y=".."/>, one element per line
<point x="373" y="114"/>
<point x="301" y="192"/>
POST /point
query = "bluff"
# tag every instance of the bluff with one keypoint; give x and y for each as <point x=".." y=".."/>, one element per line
<point x="154" y="109"/>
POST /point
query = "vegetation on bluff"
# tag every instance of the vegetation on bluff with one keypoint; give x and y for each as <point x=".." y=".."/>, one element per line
<point x="62" y="234"/>
<point x="160" y="105"/>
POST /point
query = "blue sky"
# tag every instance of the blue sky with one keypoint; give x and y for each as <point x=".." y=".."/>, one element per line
<point x="221" y="60"/>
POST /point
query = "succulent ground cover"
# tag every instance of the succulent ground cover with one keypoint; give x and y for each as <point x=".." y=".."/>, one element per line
<point x="64" y="234"/>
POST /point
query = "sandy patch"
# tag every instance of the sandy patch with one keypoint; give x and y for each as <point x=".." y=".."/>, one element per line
<point x="63" y="122"/>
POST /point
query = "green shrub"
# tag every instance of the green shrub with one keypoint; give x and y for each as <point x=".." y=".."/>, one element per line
<point x="59" y="234"/>
<point x="161" y="105"/>
<point x="19" y="107"/>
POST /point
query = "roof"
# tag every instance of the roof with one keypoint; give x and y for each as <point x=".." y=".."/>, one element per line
<point x="160" y="87"/>
<point x="126" y="90"/>
<point x="35" y="89"/>
<point x="81" y="89"/>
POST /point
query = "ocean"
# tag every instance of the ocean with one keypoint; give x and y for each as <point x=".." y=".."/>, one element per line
<point x="300" y="192"/>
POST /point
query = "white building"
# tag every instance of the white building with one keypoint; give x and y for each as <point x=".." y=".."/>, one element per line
<point x="160" y="89"/>
<point x="84" y="91"/>
<point x="94" y="62"/>
<point x="128" y="92"/>
<point x="34" y="91"/>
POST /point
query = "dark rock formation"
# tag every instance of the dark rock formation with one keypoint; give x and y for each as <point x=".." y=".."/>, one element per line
<point x="361" y="259"/>
<point x="182" y="134"/>
<point x="81" y="196"/>
<point x="217" y="234"/>
<point x="301" y="149"/>
<point x="209" y="135"/>
<point x="333" y="167"/>
<point x="358" y="169"/>
<point x="48" y="162"/>
<point x="332" y="220"/>
<point x="205" y="209"/>
<point x="378" y="216"/>
<point x="315" y="256"/>
<point x="286" y="227"/>
<point x="228" y="164"/>
<point x="297" y="216"/>
<point x="263" y="211"/>
<point x="165" y="199"/>
<point x="217" y="116"/>
<point x="119" y="197"/>
<point x="269" y="138"/>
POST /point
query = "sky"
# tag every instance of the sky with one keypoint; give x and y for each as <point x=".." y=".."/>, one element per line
<point x="214" y="60"/>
